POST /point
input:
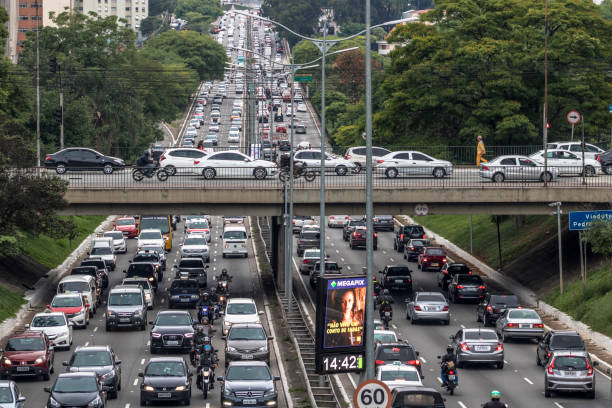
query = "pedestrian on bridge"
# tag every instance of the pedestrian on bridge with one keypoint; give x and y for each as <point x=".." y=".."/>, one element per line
<point x="480" y="152"/>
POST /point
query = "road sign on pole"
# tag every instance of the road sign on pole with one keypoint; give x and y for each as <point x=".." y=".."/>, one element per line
<point x="302" y="78"/>
<point x="582" y="220"/>
<point x="421" y="209"/>
<point x="372" y="394"/>
<point x="573" y="117"/>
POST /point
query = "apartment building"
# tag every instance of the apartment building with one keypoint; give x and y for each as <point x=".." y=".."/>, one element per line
<point x="133" y="11"/>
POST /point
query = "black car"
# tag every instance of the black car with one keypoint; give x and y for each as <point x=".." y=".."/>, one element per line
<point x="390" y="352"/>
<point x="76" y="390"/>
<point x="414" y="247"/>
<point x="449" y="270"/>
<point x="557" y="340"/>
<point x="405" y="233"/>
<point x="605" y="159"/>
<point x="331" y="268"/>
<point x="466" y="287"/>
<point x="358" y="238"/>
<point x="80" y="158"/>
<point x="284" y="146"/>
<point x="165" y="379"/>
<point x="248" y="383"/>
<point x="383" y="222"/>
<point x="308" y="240"/>
<point x="396" y="277"/>
<point x="172" y="330"/>
<point x="494" y="305"/>
<point x="143" y="270"/>
<point x="194" y="268"/>
<point x="101" y="360"/>
<point x="87" y="269"/>
<point x="349" y="227"/>
<point x="152" y="257"/>
<point x="183" y="292"/>
<point x="412" y="396"/>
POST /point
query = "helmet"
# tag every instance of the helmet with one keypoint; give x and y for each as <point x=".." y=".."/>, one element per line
<point x="385" y="291"/>
<point x="205" y="296"/>
<point x="200" y="328"/>
<point x="449" y="349"/>
<point x="208" y="348"/>
<point x="495" y="395"/>
<point x="224" y="271"/>
<point x="204" y="322"/>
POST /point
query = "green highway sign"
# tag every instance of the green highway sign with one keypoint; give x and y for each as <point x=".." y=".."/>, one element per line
<point x="303" y="78"/>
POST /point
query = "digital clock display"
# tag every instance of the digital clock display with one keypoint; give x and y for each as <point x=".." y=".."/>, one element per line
<point x="340" y="363"/>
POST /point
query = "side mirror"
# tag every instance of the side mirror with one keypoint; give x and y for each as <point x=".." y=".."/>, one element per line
<point x="220" y="378"/>
<point x="47" y="389"/>
<point x="27" y="326"/>
<point x="152" y="322"/>
<point x="277" y="378"/>
<point x="124" y="271"/>
<point x="595" y="363"/>
<point x="70" y="324"/>
<point x="88" y="253"/>
<point x="270" y="337"/>
<point x="141" y="374"/>
<point x="118" y="362"/>
<point x="65" y="364"/>
<point x="452" y="337"/>
<point x="339" y="268"/>
<point x="129" y="261"/>
<point x="417" y="353"/>
<point x="48" y="306"/>
<point x="261" y="312"/>
<point x="190" y="373"/>
<point x="21" y="399"/>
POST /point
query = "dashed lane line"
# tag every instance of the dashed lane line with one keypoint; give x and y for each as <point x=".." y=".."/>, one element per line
<point x="135" y="382"/>
<point x="423" y="360"/>
<point x="95" y="329"/>
<point x="528" y="381"/>
<point x="461" y="404"/>
<point x="559" y="405"/>
<point x="86" y="344"/>
<point x="142" y="361"/>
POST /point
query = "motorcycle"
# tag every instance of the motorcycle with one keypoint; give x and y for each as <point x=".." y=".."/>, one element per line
<point x="138" y="174"/>
<point x="205" y="312"/>
<point x="386" y="315"/>
<point x="206" y="375"/>
<point x="452" y="380"/>
<point x="299" y="170"/>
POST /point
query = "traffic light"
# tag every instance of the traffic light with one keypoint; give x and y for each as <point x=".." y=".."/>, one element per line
<point x="58" y="114"/>
<point x="53" y="64"/>
<point x="548" y="126"/>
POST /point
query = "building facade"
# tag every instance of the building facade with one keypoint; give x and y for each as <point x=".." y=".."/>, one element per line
<point x="133" y="11"/>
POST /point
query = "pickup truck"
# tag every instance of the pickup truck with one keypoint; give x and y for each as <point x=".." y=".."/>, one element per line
<point x="183" y="292"/>
<point x="405" y="233"/>
<point x="307" y="240"/>
<point x="194" y="268"/>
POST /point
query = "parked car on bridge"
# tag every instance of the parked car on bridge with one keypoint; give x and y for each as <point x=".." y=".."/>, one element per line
<point x="182" y="160"/>
<point x="235" y="164"/>
<point x="411" y="163"/>
<point x="357" y="155"/>
<point x="312" y="159"/>
<point x="567" y="163"/>
<point x="80" y="159"/>
<point x="516" y="168"/>
<point x="590" y="150"/>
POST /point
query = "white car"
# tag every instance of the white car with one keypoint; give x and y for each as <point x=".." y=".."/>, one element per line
<point x="301" y="107"/>
<point x="567" y="162"/>
<point x="590" y="151"/>
<point x="235" y="164"/>
<point x="213" y="127"/>
<point x="399" y="375"/>
<point x="105" y="253"/>
<point x="119" y="244"/>
<point x="150" y="237"/>
<point x="233" y="136"/>
<point x="195" y="123"/>
<point x="312" y="159"/>
<point x="240" y="310"/>
<point x="182" y="160"/>
<point x="337" y="221"/>
<point x="146" y="288"/>
<point x="411" y="163"/>
<point x="55" y="325"/>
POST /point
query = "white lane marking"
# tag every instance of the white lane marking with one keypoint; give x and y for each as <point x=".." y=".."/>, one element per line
<point x="384" y="252"/>
<point x="528" y="380"/>
<point x="423" y="360"/>
<point x="394" y="326"/>
<point x="332" y="244"/>
<point x="461" y="404"/>
<point x="127" y="405"/>
<point x="214" y="259"/>
<point x="208" y="405"/>
<point x="462" y="326"/>
<point x="353" y="383"/>
<point x="342" y="259"/>
<point x="135" y="382"/>
<point x="439" y="380"/>
<point x="348" y="267"/>
<point x="142" y="361"/>
<point x="148" y="342"/>
<point x="86" y="344"/>
<point x="163" y="300"/>
<point x="337" y="251"/>
<point x="559" y="405"/>
<point x="391" y="259"/>
<point x="505" y="362"/>
<point x="95" y="329"/>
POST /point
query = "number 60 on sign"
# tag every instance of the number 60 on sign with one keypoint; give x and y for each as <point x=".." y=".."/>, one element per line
<point x="372" y="394"/>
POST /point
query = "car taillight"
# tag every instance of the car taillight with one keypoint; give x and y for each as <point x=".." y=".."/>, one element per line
<point x="414" y="362"/>
<point x="380" y="161"/>
<point x="489" y="308"/>
<point x="589" y="368"/>
<point x="482" y="287"/>
<point x="379" y="362"/>
<point x="537" y="326"/>
<point x="196" y="162"/>
<point x="598" y="158"/>
<point x="424" y="259"/>
<point x="451" y="372"/>
<point x="417" y="308"/>
<point x="500" y="347"/>
<point x="375" y="235"/>
<point x="424" y="236"/>
<point x="305" y="261"/>
<point x="355" y="234"/>
<point x="469" y="272"/>
<point x="348" y="156"/>
<point x="445" y="309"/>
<point x="551" y="366"/>
<point x="401" y="237"/>
<point x="162" y="157"/>
<point x="293" y="222"/>
<point x="465" y="347"/>
<point x="412" y="248"/>
<point x="512" y="325"/>
<point x="460" y="286"/>
<point x="48" y="158"/>
<point x="331" y="217"/>
<point x="486" y="168"/>
<point x="443" y="259"/>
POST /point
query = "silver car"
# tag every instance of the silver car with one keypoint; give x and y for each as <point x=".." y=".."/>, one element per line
<point x="478" y="346"/>
<point x="516" y="168"/>
<point x="428" y="306"/>
<point x="570" y="371"/>
<point x="10" y="395"/>
<point x="311" y="256"/>
<point x="119" y="244"/>
<point x="411" y="163"/>
<point x="519" y="323"/>
<point x="337" y="221"/>
<point x="195" y="245"/>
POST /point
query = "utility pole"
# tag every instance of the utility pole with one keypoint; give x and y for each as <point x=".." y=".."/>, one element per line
<point x="37" y="85"/>
<point x="545" y="110"/>
<point x="559" y="240"/>
<point x="61" y="102"/>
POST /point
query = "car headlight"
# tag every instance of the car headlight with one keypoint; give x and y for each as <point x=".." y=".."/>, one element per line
<point x="227" y="393"/>
<point x="138" y="313"/>
<point x="6" y="361"/>
<point x="96" y="401"/>
<point x="110" y="313"/>
<point x="270" y="393"/>
<point x="262" y="349"/>
<point x="151" y="279"/>
<point x="108" y="375"/>
<point x="147" y="296"/>
<point x="231" y="349"/>
<point x="148" y="388"/>
<point x="180" y="388"/>
<point x="54" y="403"/>
<point x="64" y="333"/>
<point x="39" y="360"/>
<point x="82" y="312"/>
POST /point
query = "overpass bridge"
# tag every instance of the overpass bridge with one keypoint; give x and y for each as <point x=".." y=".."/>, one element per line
<point x="462" y="193"/>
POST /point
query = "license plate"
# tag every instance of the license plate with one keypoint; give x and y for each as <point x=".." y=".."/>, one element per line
<point x="185" y="300"/>
<point x="172" y="342"/>
<point x="451" y="377"/>
<point x="23" y="368"/>
<point x="387" y="314"/>
<point x="482" y="348"/>
<point x="399" y="281"/>
<point x="435" y="264"/>
<point x="251" y="401"/>
<point x="569" y="373"/>
<point x="124" y="320"/>
<point x="246" y="356"/>
<point x="164" y="395"/>
<point x="525" y="326"/>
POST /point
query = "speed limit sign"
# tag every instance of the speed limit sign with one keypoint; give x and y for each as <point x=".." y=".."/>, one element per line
<point x="372" y="394"/>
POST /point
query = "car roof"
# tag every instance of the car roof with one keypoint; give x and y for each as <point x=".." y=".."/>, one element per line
<point x="163" y="312"/>
<point x="564" y="333"/>
<point x="247" y="325"/>
<point x="125" y="288"/>
<point x="569" y="353"/>
<point x="428" y="293"/>
<point x="166" y="358"/>
<point x="241" y="300"/>
<point x="76" y="278"/>
<point x="78" y="374"/>
<point x="394" y="367"/>
<point x="385" y="332"/>
<point x="92" y="348"/>
<point x="249" y="363"/>
<point x="151" y="230"/>
<point x="477" y="329"/>
<point x="27" y="333"/>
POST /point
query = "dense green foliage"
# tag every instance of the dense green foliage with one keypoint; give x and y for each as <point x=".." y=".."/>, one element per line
<point x="10" y="303"/>
<point x="599" y="235"/>
<point x="606" y="9"/>
<point x="300" y="16"/>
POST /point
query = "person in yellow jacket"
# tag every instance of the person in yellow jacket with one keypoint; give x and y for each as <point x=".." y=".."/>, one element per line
<point x="480" y="151"/>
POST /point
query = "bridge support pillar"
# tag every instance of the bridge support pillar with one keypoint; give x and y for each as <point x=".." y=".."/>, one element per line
<point x="277" y="242"/>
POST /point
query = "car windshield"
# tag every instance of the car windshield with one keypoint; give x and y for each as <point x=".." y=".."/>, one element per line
<point x="184" y="284"/>
<point x="173" y="319"/>
<point x="198" y="225"/>
<point x="150" y="257"/>
<point x="156" y="249"/>
<point x="396" y="353"/>
<point x="430" y="298"/>
<point x="126" y="221"/>
<point x="241" y="309"/>
<point x="73" y="287"/>
<point x="435" y="251"/>
<point x="165" y="369"/>
<point x="310" y="235"/>
<point x="329" y="266"/>
<point x="480" y="335"/>
<point x="399" y="375"/>
<point x="25" y="344"/>
<point x="194" y="241"/>
<point x="385" y="337"/>
<point x="312" y="254"/>
<point x="140" y="269"/>
<point x="247" y="333"/>
<point x="101" y="251"/>
<point x="114" y="234"/>
<point x="510" y="301"/>
<point x="124" y="299"/>
<point x="570" y="363"/>
<point x="91" y="359"/>
<point x="456" y="269"/>
<point x="398" y="271"/>
<point x="150" y="235"/>
<point x="6" y="396"/>
<point x="567" y="342"/>
<point x="76" y="384"/>
<point x="191" y="263"/>
<point x="357" y="224"/>
<point x="523" y="314"/>
<point x="248" y="373"/>
<point x="49" y="321"/>
<point x="469" y="280"/>
<point x="66" y="301"/>
<point x="234" y="235"/>
<point x="97" y="264"/>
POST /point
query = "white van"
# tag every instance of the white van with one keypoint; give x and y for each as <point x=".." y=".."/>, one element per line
<point x="83" y="284"/>
<point x="235" y="240"/>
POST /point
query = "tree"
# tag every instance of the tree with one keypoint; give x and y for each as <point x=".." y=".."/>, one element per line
<point x="351" y="69"/>
<point x="599" y="235"/>
<point x="210" y="9"/>
<point x="157" y="7"/>
<point x="351" y="28"/>
<point x="300" y="16"/>
<point x="150" y="24"/>
<point x="606" y="9"/>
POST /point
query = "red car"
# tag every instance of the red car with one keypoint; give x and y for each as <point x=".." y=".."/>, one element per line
<point x="27" y="354"/>
<point x="74" y="306"/>
<point x="432" y="258"/>
<point x="128" y="226"/>
<point x="281" y="129"/>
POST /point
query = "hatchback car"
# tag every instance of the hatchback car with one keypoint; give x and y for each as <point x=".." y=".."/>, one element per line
<point x="466" y="287"/>
<point x="172" y="331"/>
<point x="27" y="354"/>
<point x="165" y="379"/>
<point x="240" y="310"/>
<point x="76" y="390"/>
<point x="478" y="346"/>
<point x="431" y="258"/>
<point x="389" y="353"/>
<point x="119" y="244"/>
<point x="195" y="245"/>
<point x="55" y="325"/>
<point x="494" y="305"/>
<point x="127" y="225"/>
<point x="358" y="155"/>
<point x="101" y="360"/>
<point x="519" y="323"/>
<point x="449" y="270"/>
<point x="570" y="371"/>
<point x="414" y="247"/>
<point x="398" y="375"/>
<point x="358" y="237"/>
<point x="310" y="257"/>
<point x="428" y="306"/>
<point x="248" y="383"/>
<point x="246" y="341"/>
<point x="558" y="340"/>
<point x="337" y="221"/>
<point x="74" y="306"/>
<point x="516" y="168"/>
<point x="350" y="226"/>
<point x="150" y="237"/>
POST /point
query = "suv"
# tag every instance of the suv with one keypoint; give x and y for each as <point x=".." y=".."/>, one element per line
<point x="396" y="277"/>
<point x="357" y="155"/>
<point x="143" y="270"/>
<point x="557" y="340"/>
<point x="405" y="233"/>
<point x="194" y="268"/>
<point x="466" y="287"/>
<point x="95" y="268"/>
<point x="184" y="292"/>
<point x="28" y="354"/>
<point x="301" y="220"/>
<point x="449" y="270"/>
<point x="605" y="159"/>
<point x="388" y="353"/>
<point x="358" y="238"/>
<point x="104" y="252"/>
<point x="431" y="258"/>
<point x="152" y="257"/>
<point x="494" y="305"/>
<point x="101" y="360"/>
<point x="259" y="390"/>
<point x="349" y="227"/>
<point x="331" y="268"/>
<point x="172" y="331"/>
<point x="126" y="306"/>
<point x="383" y="222"/>
<point x="310" y="256"/>
<point x="414" y="248"/>
<point x="307" y="240"/>
<point x="146" y="288"/>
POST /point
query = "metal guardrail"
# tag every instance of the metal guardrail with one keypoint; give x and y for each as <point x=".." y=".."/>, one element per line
<point x="257" y="178"/>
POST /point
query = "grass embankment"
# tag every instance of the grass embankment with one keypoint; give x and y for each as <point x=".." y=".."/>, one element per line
<point x="515" y="241"/>
<point x="10" y="303"/>
<point x="51" y="252"/>
<point x="593" y="306"/>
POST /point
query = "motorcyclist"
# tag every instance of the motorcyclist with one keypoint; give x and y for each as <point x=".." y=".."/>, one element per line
<point x="495" y="401"/>
<point x="207" y="359"/>
<point x="199" y="340"/>
<point x="205" y="301"/>
<point x="377" y="287"/>
<point x="146" y="163"/>
<point x="384" y="301"/>
<point x="224" y="276"/>
<point x="444" y="363"/>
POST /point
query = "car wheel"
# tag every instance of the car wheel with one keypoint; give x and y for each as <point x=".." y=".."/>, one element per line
<point x="209" y="173"/>
<point x="478" y="318"/>
<point x="546" y="176"/>
<point x="607" y="169"/>
<point x="260" y="173"/>
<point x="113" y="394"/>
<point x="108" y="327"/>
<point x="357" y="168"/>
<point x="538" y="362"/>
<point x="51" y="369"/>
<point x="391" y="172"/>
<point x="143" y="402"/>
<point x="591" y="394"/>
<point x="46" y="376"/>
<point x="547" y="393"/>
<point x="503" y="337"/>
<point x="407" y="258"/>
<point x="108" y="168"/>
<point x="446" y="322"/>
<point x="341" y="170"/>
<point x="589" y="171"/>
<point x="60" y="168"/>
<point x="500" y="365"/>
<point x="498" y="178"/>
<point x="438" y="172"/>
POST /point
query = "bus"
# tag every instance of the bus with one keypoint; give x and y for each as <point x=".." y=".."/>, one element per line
<point x="160" y="222"/>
